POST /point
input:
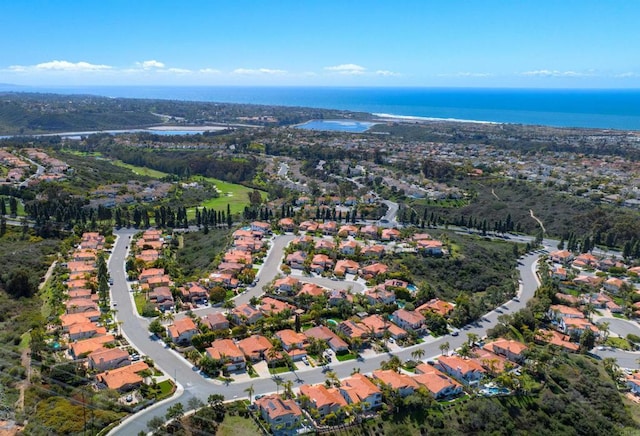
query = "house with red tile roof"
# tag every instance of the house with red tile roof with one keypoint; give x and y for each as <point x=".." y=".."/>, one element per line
<point x="556" y="338"/>
<point x="182" y="330"/>
<point x="323" y="333"/>
<point x="347" y="230"/>
<point x="260" y="226"/>
<point x="561" y="256"/>
<point x="215" y="321"/>
<point x="494" y="363"/>
<point x="80" y="293"/>
<point x="312" y="289"/>
<point x="441" y="307"/>
<point x="67" y="320"/>
<point x="613" y="285"/>
<point x="255" y="347"/>
<point x="346" y="266"/>
<point x="309" y="226"/>
<point x="290" y="339"/>
<point x="559" y="273"/>
<point x="325" y="244"/>
<point x="270" y="306"/>
<point x="353" y="330"/>
<point x="369" y="231"/>
<point x="162" y="298"/>
<point x="391" y="234"/>
<point x="401" y="383"/>
<point x="558" y="312"/>
<point x="302" y="242"/>
<point x="374" y="251"/>
<point x="358" y="389"/>
<point x="409" y="320"/>
<point x="380" y="295"/>
<point x="245" y="314"/>
<point x="465" y="370"/>
<point x="338" y="296"/>
<point x="576" y="326"/>
<point x="439" y="384"/>
<point x="321" y="262"/>
<point x="125" y="378"/>
<point x="328" y="228"/>
<point x="85" y="330"/>
<point x="103" y="359"/>
<point x="287" y="224"/>
<point x="238" y="256"/>
<point x="296" y="259"/>
<point x="324" y="400"/>
<point x="433" y="247"/>
<point x="279" y="413"/>
<point x="286" y="285"/>
<point x="228" y="352"/>
<point x="195" y="293"/>
<point x="373" y="270"/>
<point x="86" y="346"/>
<point x="633" y="382"/>
<point x="158" y="281"/>
<point x="80" y="305"/>
<point x="348" y="247"/>
<point x="512" y="350"/>
<point x="146" y="274"/>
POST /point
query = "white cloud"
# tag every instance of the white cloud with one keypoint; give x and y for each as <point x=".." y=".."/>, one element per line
<point x="349" y="69"/>
<point x="60" y="66"/>
<point x="386" y="73"/>
<point x="147" y="65"/>
<point x="553" y="73"/>
<point x="626" y="75"/>
<point x="249" y="71"/>
<point x="209" y="71"/>
<point x="179" y="70"/>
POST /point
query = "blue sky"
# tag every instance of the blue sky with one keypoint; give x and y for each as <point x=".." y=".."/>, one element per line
<point x="446" y="43"/>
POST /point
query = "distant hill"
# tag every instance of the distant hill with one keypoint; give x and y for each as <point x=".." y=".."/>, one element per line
<point x="22" y="113"/>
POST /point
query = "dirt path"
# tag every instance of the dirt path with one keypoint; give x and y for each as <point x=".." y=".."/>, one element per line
<point x="495" y="195"/>
<point x="538" y="221"/>
<point x="47" y="276"/>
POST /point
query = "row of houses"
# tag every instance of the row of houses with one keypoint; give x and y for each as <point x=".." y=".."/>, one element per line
<point x="367" y="391"/>
<point x="88" y="338"/>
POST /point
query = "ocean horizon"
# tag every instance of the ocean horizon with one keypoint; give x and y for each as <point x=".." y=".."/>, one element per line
<point x="584" y="108"/>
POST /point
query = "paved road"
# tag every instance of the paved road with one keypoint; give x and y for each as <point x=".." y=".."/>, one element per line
<point x="193" y="384"/>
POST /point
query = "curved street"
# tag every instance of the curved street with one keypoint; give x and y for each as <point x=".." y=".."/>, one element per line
<point x="192" y="384"/>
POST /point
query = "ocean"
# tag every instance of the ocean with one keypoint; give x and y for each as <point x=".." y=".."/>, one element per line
<point x="607" y="109"/>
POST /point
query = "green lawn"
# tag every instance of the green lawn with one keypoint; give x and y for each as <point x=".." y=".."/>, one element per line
<point x="20" y="205"/>
<point x="141" y="171"/>
<point x="234" y="425"/>
<point x="140" y="300"/>
<point x="236" y="196"/>
<point x="345" y="357"/>
<point x="166" y="389"/>
<point x="279" y="369"/>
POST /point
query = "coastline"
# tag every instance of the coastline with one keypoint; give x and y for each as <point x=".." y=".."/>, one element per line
<point x="387" y="117"/>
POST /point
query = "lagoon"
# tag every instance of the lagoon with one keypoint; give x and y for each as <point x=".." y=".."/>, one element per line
<point x="350" y="126"/>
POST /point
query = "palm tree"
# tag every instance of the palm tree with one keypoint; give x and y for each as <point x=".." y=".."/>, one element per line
<point x="444" y="347"/>
<point x="250" y="390"/>
<point x="288" y="389"/>
<point x="417" y="354"/>
<point x="332" y="378"/>
<point x="603" y="327"/>
<point x="472" y="338"/>
<point x="278" y="382"/>
<point x="272" y="353"/>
